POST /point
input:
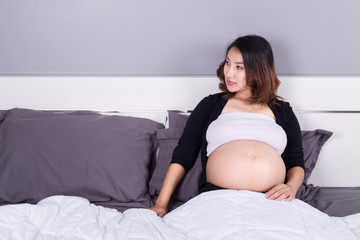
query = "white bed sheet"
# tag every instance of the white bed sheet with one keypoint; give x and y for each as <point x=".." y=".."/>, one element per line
<point x="221" y="214"/>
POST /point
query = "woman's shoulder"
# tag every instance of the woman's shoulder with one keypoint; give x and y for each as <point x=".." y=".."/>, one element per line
<point x="213" y="98"/>
<point x="283" y="105"/>
<point x="211" y="103"/>
<point x="282" y="110"/>
<point x="216" y="95"/>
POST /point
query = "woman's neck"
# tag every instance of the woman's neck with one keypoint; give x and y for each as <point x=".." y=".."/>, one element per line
<point x="243" y="96"/>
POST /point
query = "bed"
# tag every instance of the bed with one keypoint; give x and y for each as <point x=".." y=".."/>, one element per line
<point x="84" y="158"/>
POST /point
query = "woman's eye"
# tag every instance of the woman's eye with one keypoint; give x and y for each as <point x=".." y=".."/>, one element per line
<point x="239" y="67"/>
<point x="227" y="62"/>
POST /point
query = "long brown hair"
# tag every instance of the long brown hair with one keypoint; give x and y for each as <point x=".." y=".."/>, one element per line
<point x="260" y="70"/>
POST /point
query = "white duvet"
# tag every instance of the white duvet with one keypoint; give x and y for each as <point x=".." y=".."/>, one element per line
<point x="222" y="214"/>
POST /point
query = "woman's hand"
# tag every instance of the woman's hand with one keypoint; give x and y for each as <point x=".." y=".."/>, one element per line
<point x="281" y="192"/>
<point x="173" y="176"/>
<point x="294" y="178"/>
<point x="160" y="210"/>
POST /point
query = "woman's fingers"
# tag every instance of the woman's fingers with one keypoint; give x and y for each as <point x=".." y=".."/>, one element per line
<point x="275" y="192"/>
<point x="280" y="192"/>
<point x="161" y="212"/>
<point x="290" y="198"/>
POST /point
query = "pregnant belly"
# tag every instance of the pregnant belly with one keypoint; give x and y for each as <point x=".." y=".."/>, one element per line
<point x="245" y="165"/>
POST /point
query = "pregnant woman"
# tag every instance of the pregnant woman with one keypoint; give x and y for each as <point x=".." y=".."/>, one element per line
<point x="248" y="137"/>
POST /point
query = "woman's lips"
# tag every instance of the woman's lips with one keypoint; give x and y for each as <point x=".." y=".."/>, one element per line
<point x="230" y="83"/>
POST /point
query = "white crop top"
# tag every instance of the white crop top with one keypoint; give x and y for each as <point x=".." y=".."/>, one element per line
<point x="244" y="125"/>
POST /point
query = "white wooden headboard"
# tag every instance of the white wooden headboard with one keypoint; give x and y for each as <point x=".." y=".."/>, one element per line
<point x="329" y="103"/>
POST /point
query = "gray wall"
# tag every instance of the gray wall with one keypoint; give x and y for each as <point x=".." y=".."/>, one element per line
<point x="165" y="37"/>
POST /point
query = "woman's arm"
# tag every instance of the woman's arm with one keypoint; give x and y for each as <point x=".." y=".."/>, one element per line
<point x="173" y="176"/>
<point x="293" y="158"/>
<point x="190" y="142"/>
<point x="184" y="154"/>
<point x="294" y="179"/>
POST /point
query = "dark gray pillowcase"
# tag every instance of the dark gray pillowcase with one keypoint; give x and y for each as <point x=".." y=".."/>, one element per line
<point x="2" y="116"/>
<point x="102" y="158"/>
<point x="312" y="144"/>
<point x="177" y="120"/>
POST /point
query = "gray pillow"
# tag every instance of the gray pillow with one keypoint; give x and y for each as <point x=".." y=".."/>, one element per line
<point x="2" y="116"/>
<point x="312" y="144"/>
<point x="177" y="120"/>
<point x="102" y="158"/>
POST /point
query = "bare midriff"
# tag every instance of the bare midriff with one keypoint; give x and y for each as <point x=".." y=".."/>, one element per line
<point x="245" y="165"/>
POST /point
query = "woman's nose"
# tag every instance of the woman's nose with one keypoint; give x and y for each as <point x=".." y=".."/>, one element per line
<point x="229" y="72"/>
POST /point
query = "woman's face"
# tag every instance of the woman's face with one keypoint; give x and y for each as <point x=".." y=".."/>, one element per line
<point x="234" y="72"/>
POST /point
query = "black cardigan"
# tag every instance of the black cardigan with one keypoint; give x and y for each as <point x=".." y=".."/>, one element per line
<point x="193" y="138"/>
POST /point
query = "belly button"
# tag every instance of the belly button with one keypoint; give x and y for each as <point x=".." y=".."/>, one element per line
<point x="252" y="157"/>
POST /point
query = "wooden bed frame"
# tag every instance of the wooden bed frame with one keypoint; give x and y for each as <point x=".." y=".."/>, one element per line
<point x="330" y="103"/>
